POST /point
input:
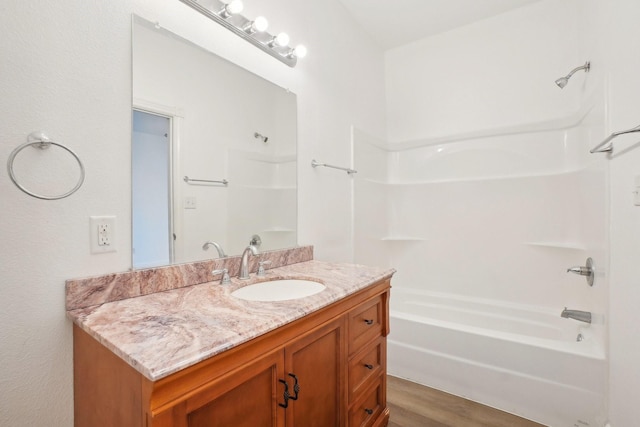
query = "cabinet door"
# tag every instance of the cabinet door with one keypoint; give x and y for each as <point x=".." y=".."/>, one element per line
<point x="247" y="397"/>
<point x="317" y="359"/>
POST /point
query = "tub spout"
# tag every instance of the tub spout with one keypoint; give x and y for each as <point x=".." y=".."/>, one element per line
<point x="583" y="316"/>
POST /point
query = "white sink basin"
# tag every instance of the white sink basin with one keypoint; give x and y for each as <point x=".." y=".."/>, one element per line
<point x="279" y="290"/>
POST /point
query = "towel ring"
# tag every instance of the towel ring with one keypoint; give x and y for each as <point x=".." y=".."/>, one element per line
<point x="40" y="140"/>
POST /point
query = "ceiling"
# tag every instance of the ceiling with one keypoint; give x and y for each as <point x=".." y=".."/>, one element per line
<point x="392" y="23"/>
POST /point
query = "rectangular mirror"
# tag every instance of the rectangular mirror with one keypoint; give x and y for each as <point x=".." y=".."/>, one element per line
<point x="213" y="154"/>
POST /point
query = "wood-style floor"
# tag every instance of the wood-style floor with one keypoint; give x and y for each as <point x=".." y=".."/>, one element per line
<point x="414" y="405"/>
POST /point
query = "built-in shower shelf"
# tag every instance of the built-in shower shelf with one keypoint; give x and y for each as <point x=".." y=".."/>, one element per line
<point x="558" y="245"/>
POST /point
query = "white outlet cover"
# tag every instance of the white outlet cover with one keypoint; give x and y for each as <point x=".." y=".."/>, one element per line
<point x="94" y="224"/>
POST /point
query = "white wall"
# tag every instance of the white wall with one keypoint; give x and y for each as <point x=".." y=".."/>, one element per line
<point x="623" y="37"/>
<point x="497" y="72"/>
<point x="66" y="69"/>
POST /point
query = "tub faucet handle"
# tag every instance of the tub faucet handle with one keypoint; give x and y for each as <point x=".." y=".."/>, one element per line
<point x="586" y="270"/>
<point x="583" y="271"/>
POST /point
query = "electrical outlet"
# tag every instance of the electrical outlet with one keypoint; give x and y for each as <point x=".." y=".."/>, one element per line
<point x="102" y="234"/>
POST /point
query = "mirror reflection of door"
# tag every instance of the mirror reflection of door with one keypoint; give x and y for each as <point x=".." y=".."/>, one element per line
<point x="151" y="181"/>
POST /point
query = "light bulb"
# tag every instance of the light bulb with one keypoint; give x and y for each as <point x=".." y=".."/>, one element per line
<point x="260" y="24"/>
<point x="281" y="39"/>
<point x="232" y="8"/>
<point x="300" y="51"/>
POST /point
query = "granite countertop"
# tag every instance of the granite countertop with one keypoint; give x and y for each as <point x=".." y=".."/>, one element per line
<point x="161" y="333"/>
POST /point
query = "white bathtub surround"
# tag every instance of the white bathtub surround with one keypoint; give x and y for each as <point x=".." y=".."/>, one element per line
<point x="488" y="194"/>
<point x="482" y="231"/>
<point x="518" y="358"/>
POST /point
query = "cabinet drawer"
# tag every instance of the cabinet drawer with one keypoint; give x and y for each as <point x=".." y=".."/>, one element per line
<point x="365" y="366"/>
<point x="365" y="323"/>
<point x="367" y="410"/>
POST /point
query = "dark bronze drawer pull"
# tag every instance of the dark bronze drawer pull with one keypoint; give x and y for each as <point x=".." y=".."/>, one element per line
<point x="368" y="366"/>
<point x="368" y="411"/>
<point x="296" y="387"/>
<point x="368" y="321"/>
<point x="286" y="395"/>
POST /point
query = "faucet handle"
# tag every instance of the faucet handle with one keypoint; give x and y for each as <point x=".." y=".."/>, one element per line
<point x="261" y="271"/>
<point x="586" y="270"/>
<point x="583" y="271"/>
<point x="225" y="279"/>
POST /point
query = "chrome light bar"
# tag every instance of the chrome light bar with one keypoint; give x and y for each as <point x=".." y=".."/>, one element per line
<point x="226" y="14"/>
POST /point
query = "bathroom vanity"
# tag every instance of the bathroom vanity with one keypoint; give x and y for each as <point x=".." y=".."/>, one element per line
<point x="197" y="356"/>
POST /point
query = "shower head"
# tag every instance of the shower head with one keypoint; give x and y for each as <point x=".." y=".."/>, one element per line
<point x="563" y="81"/>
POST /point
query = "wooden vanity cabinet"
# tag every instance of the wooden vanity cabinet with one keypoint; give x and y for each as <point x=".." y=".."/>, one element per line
<point x="336" y="356"/>
<point x="318" y="362"/>
<point x="243" y="397"/>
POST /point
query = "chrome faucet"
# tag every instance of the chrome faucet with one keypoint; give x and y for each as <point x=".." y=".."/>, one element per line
<point x="583" y="316"/>
<point x="244" y="263"/>
<point x="221" y="253"/>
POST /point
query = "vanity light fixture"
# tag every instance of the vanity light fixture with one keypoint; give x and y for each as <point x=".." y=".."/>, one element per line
<point x="254" y="31"/>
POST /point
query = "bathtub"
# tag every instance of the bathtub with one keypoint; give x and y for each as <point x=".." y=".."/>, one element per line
<point x="520" y="359"/>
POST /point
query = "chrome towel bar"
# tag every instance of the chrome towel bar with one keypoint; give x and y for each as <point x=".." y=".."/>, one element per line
<point x="315" y="164"/>
<point x="606" y="146"/>
<point x="208" y="181"/>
